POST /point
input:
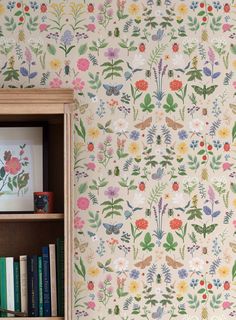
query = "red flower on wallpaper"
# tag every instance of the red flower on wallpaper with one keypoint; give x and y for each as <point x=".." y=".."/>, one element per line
<point x="175" y="224"/>
<point x="141" y="224"/>
<point x="176" y="85"/>
<point x="141" y="85"/>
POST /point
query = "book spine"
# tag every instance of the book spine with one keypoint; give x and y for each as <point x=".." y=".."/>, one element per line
<point x="46" y="283"/>
<point x="3" y="286"/>
<point x="60" y="276"/>
<point x="40" y="280"/>
<point x="33" y="301"/>
<point x="10" y="284"/>
<point x="53" y="279"/>
<point x="17" y="285"/>
<point x="23" y="284"/>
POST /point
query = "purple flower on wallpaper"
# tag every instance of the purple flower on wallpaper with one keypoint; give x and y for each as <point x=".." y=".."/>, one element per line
<point x="112" y="192"/>
<point x="67" y="38"/>
<point x="112" y="53"/>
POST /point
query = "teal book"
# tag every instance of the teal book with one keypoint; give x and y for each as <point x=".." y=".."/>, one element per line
<point x="17" y="286"/>
<point x="40" y="279"/>
<point x="60" y="276"/>
<point x="3" y="285"/>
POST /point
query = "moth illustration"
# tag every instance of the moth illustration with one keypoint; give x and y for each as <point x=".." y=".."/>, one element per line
<point x="80" y="245"/>
<point x="144" y="263"/>
<point x="233" y="107"/>
<point x="173" y="263"/>
<point x="81" y="107"/>
<point x="113" y="228"/>
<point x="233" y="246"/>
<point x="204" y="91"/>
<point x="173" y="124"/>
<point x="204" y="229"/>
<point x="145" y="124"/>
<point x="110" y="90"/>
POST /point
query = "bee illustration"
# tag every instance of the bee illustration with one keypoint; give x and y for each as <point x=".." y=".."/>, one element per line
<point x="67" y="67"/>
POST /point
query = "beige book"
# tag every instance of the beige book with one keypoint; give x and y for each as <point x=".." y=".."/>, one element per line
<point x="23" y="284"/>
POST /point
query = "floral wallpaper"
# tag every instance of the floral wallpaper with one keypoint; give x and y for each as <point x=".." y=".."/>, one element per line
<point x="155" y="147"/>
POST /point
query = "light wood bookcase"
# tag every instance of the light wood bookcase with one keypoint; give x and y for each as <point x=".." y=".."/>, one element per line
<point x="25" y="233"/>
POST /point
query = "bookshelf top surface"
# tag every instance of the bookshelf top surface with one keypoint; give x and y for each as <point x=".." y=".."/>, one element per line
<point x="13" y="217"/>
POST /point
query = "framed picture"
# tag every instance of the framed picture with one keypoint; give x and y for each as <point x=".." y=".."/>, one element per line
<point x="23" y="165"/>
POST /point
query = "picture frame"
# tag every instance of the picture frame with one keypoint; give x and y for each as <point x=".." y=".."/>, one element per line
<point x="23" y="164"/>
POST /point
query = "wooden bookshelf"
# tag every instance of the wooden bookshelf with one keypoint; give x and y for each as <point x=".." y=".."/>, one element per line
<point x="26" y="233"/>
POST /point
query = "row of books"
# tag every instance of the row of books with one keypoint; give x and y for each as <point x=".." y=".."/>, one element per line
<point x="34" y="285"/>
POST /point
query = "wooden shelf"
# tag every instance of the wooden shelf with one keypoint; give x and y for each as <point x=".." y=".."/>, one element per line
<point x="24" y="217"/>
<point x="34" y="318"/>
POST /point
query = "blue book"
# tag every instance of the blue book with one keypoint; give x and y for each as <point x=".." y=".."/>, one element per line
<point x="46" y="283"/>
<point x="17" y="285"/>
<point x="33" y="286"/>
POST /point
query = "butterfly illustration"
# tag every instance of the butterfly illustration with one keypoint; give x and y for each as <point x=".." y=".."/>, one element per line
<point x="113" y="89"/>
<point x="158" y="314"/>
<point x="173" y="263"/>
<point x="81" y="107"/>
<point x="113" y="228"/>
<point x="173" y="124"/>
<point x="145" y="124"/>
<point x="158" y="175"/>
<point x="204" y="229"/>
<point x="144" y="263"/>
<point x="80" y="245"/>
<point x="204" y="91"/>
<point x="233" y="246"/>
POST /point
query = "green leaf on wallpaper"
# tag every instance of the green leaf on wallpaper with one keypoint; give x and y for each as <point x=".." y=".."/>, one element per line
<point x="170" y="244"/>
<point x="82" y="49"/>
<point x="94" y="220"/>
<point x="234" y="132"/>
<point x="18" y="13"/>
<point x="51" y="49"/>
<point x="82" y="188"/>
<point x="81" y="131"/>
<point x="147" y="243"/>
<point x="233" y="48"/>
<point x="233" y="187"/>
<point x="81" y="269"/>
<point x="234" y="271"/>
<point x="170" y="106"/>
<point x="147" y="105"/>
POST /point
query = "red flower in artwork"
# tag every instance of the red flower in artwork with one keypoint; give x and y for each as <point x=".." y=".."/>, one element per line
<point x="141" y="224"/>
<point x="13" y="165"/>
<point x="175" y="85"/>
<point x="175" y="224"/>
<point x="141" y="85"/>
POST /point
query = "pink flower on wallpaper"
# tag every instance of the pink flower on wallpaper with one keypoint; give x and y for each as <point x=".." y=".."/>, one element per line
<point x="13" y="166"/>
<point x="83" y="203"/>
<point x="43" y="27"/>
<point x="91" y="166"/>
<point x="91" y="305"/>
<point x="83" y="64"/>
<point x="78" y="84"/>
<point x="91" y="27"/>
<point x="55" y="83"/>
<point x="234" y="84"/>
<point x="78" y="223"/>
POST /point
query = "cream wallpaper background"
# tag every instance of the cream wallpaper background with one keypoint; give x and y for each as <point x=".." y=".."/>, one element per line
<point x="155" y="142"/>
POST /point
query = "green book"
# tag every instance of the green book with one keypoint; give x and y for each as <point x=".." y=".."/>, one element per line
<point x="60" y="276"/>
<point x="3" y="285"/>
<point x="40" y="278"/>
<point x="17" y="285"/>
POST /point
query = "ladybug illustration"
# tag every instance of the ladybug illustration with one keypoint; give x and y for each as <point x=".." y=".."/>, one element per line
<point x="142" y="186"/>
<point x="226" y="285"/>
<point x="90" y="285"/>
<point x="226" y="146"/>
<point x="175" y="47"/>
<point x="90" y="146"/>
<point x="175" y="186"/>
<point x="43" y="7"/>
<point x="142" y="47"/>
<point x="18" y="4"/>
<point x="226" y="8"/>
<point x="90" y="7"/>
<point x="26" y="8"/>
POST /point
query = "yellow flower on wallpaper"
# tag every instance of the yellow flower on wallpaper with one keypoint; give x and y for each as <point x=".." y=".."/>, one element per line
<point x="134" y="9"/>
<point x="133" y="286"/>
<point x="182" y="148"/>
<point x="93" y="133"/>
<point x="234" y="64"/>
<point x="182" y="9"/>
<point x="93" y="271"/>
<point x="224" y="133"/>
<point x="223" y="272"/>
<point x="134" y="149"/>
<point x="182" y="287"/>
<point x="2" y="9"/>
<point x="55" y="64"/>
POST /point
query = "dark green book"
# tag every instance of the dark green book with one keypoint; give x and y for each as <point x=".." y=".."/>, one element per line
<point x="3" y="286"/>
<point x="60" y="276"/>
<point x="17" y="286"/>
<point x="40" y="277"/>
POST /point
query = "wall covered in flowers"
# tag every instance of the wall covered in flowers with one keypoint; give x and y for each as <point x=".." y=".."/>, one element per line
<point x="155" y="147"/>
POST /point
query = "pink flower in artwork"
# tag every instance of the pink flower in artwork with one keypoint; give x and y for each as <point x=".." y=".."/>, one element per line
<point x="91" y="166"/>
<point x="43" y="27"/>
<point x="55" y="83"/>
<point x="91" y="305"/>
<point x="78" y="223"/>
<point x="78" y="84"/>
<point x="83" y="64"/>
<point x="83" y="203"/>
<point x="13" y="165"/>
<point x="91" y="27"/>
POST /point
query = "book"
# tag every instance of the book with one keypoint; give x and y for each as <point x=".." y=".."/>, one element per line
<point x="40" y="279"/>
<point x="60" y="276"/>
<point x="17" y="285"/>
<point x="46" y="283"/>
<point x="33" y="297"/>
<point x="23" y="284"/>
<point x="10" y="284"/>
<point x="3" y="286"/>
<point x="53" y="279"/>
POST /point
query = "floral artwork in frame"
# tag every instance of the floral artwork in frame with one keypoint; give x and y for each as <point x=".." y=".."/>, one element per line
<point x="21" y="166"/>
